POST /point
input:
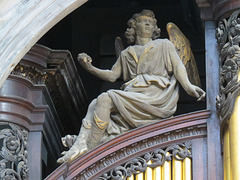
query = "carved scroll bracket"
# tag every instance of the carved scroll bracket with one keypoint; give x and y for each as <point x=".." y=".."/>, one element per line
<point x="228" y="38"/>
<point x="13" y="153"/>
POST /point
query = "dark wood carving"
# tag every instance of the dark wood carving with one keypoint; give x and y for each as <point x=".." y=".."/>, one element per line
<point x="134" y="144"/>
<point x="228" y="38"/>
<point x="157" y="157"/>
<point x="13" y="154"/>
<point x="31" y="73"/>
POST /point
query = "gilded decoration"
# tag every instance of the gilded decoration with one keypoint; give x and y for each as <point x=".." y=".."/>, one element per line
<point x="13" y="154"/>
<point x="31" y="73"/>
<point x="228" y="38"/>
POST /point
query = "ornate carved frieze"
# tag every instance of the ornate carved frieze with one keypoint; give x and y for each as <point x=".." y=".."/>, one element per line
<point x="143" y="146"/>
<point x="228" y="38"/>
<point x="31" y="73"/>
<point x="157" y="157"/>
<point x="13" y="153"/>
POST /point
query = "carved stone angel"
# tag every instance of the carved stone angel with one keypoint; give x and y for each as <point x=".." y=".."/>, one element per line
<point x="151" y="69"/>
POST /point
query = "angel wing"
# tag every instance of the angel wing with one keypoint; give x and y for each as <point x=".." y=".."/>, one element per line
<point x="118" y="46"/>
<point x="185" y="53"/>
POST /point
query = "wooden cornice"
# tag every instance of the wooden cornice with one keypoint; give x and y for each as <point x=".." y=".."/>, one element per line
<point x="56" y="69"/>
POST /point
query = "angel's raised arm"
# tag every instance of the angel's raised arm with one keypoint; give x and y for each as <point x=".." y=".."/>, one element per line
<point x="106" y="75"/>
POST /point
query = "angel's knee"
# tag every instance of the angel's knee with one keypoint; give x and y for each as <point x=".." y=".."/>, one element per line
<point x="104" y="101"/>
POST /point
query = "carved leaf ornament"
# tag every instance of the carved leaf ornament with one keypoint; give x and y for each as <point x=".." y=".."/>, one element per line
<point x="157" y="158"/>
<point x="13" y="154"/>
<point x="228" y="38"/>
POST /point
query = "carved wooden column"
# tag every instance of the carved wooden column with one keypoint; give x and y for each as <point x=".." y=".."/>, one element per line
<point x="22" y="107"/>
<point x="228" y="44"/>
<point x="212" y="71"/>
<point x="212" y="75"/>
<point x="228" y="37"/>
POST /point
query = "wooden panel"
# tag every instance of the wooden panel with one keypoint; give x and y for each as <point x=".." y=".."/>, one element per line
<point x="34" y="155"/>
<point x="199" y="159"/>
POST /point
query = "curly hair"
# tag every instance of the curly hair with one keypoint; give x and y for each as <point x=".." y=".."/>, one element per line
<point x="130" y="33"/>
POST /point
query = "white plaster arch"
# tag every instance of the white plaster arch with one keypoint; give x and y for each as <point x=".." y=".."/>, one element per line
<point x="23" y="23"/>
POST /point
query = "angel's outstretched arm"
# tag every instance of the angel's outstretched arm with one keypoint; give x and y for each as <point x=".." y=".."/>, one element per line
<point x="106" y="75"/>
<point x="181" y="75"/>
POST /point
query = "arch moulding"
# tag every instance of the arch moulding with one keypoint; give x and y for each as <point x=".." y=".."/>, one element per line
<point x="23" y="23"/>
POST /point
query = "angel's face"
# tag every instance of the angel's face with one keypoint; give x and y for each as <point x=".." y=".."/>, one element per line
<point x="144" y="26"/>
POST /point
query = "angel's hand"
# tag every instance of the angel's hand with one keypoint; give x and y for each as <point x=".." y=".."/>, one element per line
<point x="85" y="61"/>
<point x="196" y="92"/>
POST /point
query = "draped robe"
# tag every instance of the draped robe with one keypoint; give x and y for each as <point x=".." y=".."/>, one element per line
<point x="150" y="93"/>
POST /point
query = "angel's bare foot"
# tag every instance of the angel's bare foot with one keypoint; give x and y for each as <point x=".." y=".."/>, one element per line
<point x="72" y="154"/>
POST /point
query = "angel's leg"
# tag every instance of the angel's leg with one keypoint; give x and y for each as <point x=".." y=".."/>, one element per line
<point x="104" y="106"/>
<point x="88" y="138"/>
<point x="80" y="145"/>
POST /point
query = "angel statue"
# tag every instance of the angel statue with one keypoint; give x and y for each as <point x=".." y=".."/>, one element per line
<point x="151" y="70"/>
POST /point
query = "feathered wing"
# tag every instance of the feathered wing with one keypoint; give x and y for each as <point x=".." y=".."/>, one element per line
<point x="118" y="46"/>
<point x="185" y="53"/>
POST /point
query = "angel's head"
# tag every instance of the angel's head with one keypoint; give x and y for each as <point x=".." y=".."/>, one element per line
<point x="142" y="24"/>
